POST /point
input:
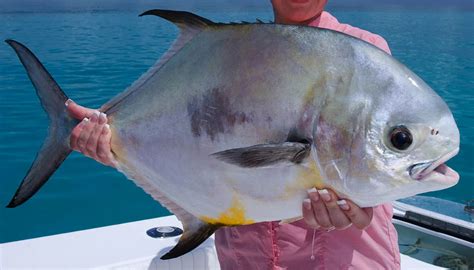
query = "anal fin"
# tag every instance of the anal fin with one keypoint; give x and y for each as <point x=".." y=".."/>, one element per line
<point x="194" y="234"/>
<point x="195" y="230"/>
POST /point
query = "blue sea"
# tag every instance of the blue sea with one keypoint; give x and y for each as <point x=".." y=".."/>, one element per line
<point x="95" y="55"/>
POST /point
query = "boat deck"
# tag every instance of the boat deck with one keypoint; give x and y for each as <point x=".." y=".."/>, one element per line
<point x="123" y="246"/>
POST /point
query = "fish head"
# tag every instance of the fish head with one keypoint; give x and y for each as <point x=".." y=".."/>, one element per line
<point x="388" y="142"/>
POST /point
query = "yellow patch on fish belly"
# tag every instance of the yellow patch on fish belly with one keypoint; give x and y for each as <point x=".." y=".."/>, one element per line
<point x="308" y="177"/>
<point x="234" y="215"/>
<point x="116" y="146"/>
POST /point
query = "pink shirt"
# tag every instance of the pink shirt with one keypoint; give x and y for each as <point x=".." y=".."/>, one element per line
<point x="328" y="21"/>
<point x="268" y="245"/>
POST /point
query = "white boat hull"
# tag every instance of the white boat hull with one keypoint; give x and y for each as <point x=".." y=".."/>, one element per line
<point x="127" y="246"/>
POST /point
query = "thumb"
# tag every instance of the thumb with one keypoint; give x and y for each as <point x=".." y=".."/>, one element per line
<point x="77" y="111"/>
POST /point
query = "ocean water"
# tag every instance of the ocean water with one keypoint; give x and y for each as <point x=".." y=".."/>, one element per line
<point x="94" y="56"/>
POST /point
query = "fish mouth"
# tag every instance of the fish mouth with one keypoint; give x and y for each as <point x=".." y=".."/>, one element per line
<point x="436" y="170"/>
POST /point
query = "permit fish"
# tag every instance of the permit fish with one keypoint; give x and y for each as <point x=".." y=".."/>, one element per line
<point x="237" y="121"/>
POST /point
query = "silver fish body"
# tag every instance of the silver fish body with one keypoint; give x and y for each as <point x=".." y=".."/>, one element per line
<point x="238" y="121"/>
<point x="243" y="85"/>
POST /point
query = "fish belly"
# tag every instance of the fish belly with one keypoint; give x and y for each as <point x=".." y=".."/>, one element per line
<point x="182" y="169"/>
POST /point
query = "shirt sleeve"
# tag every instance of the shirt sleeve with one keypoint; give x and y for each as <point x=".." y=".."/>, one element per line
<point x="381" y="43"/>
<point x="367" y="36"/>
<point x="327" y="21"/>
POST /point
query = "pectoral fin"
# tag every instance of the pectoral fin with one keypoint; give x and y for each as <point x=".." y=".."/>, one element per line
<point x="263" y="155"/>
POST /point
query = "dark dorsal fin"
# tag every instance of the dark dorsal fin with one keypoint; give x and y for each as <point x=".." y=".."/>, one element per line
<point x="185" y="19"/>
<point x="182" y="19"/>
<point x="189" y="24"/>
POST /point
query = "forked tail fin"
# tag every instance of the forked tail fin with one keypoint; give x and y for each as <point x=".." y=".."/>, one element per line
<point x="55" y="147"/>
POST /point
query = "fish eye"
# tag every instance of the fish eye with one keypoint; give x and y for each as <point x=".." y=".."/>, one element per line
<point x="400" y="137"/>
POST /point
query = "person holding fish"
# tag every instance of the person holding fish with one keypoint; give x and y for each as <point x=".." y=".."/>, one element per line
<point x="334" y="233"/>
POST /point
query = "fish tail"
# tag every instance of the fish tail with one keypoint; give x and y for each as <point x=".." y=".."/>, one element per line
<point x="55" y="147"/>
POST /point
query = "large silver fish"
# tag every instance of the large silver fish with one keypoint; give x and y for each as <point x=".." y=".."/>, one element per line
<point x="237" y="121"/>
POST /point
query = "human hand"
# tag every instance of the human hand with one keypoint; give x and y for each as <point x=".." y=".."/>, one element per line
<point x="324" y="210"/>
<point x="92" y="135"/>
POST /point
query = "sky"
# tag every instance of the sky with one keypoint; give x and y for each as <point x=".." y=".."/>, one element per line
<point x="91" y="5"/>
